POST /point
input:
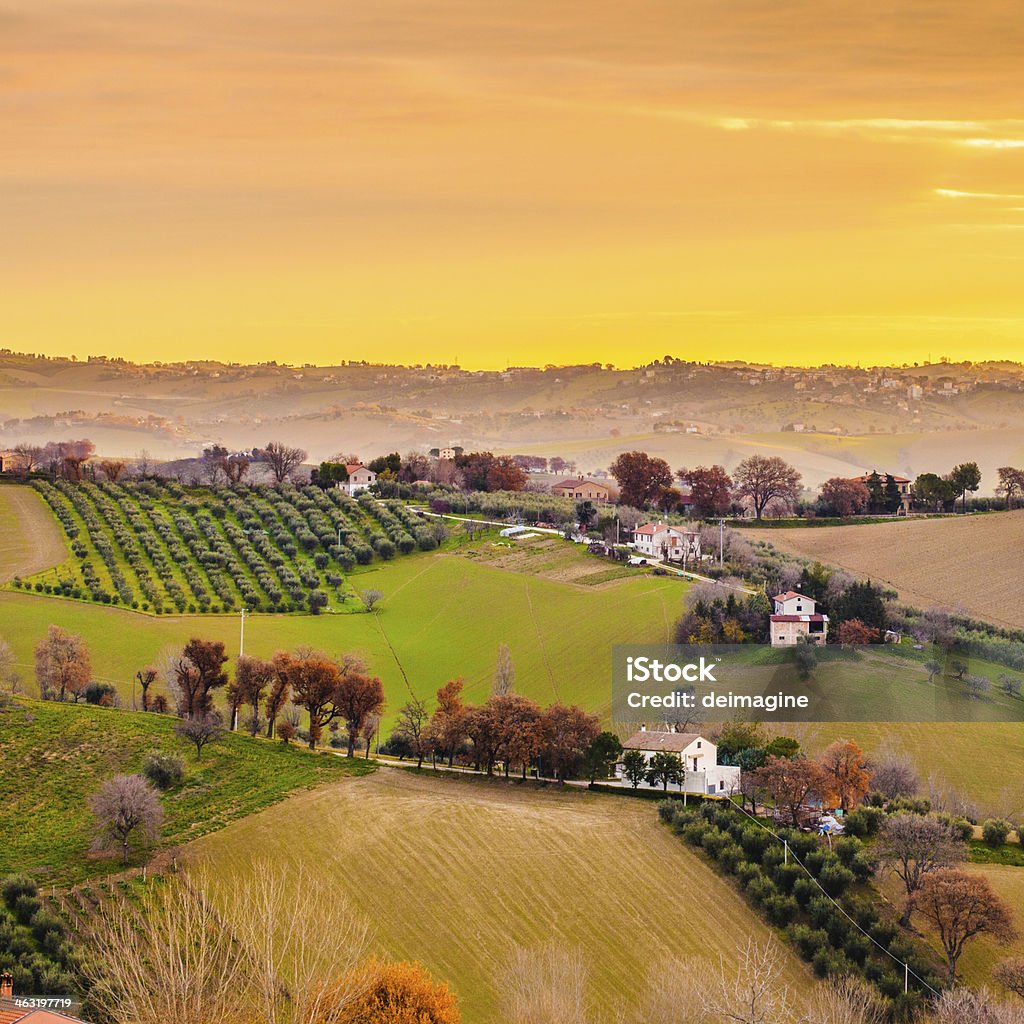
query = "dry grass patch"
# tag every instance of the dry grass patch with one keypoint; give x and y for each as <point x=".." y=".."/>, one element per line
<point x="456" y="872"/>
<point x="30" y="539"/>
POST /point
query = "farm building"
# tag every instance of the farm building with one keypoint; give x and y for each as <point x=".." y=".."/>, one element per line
<point x="359" y="478"/>
<point x="903" y="485"/>
<point x="582" y="488"/>
<point x="672" y="543"/>
<point x="446" y="454"/>
<point x="796" y="620"/>
<point x="13" y="462"/>
<point x="702" y="772"/>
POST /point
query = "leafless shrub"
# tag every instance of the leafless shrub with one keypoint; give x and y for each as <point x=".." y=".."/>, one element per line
<point x="745" y="988"/>
<point x="270" y="950"/>
<point x="966" y="1006"/>
<point x="545" y="986"/>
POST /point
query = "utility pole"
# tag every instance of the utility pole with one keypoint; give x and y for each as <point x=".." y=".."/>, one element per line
<point x="241" y="636"/>
<point x="721" y="542"/>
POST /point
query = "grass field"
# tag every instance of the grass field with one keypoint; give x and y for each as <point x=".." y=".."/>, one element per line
<point x="453" y="872"/>
<point x="55" y="755"/>
<point x="970" y="562"/>
<point x="442" y="616"/>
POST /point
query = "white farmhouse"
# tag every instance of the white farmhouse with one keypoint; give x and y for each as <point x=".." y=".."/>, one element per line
<point x="703" y="773"/>
<point x="359" y="478"/>
<point x="796" y="621"/>
<point x="672" y="543"/>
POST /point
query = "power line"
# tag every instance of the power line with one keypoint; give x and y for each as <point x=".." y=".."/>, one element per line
<point x="837" y="905"/>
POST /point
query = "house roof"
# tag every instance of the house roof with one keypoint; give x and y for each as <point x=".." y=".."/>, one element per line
<point x="790" y="594"/>
<point x="799" y="618"/>
<point x="11" y="1013"/>
<point x="577" y="482"/>
<point x="356" y="466"/>
<point x="863" y="478"/>
<point x="651" y="528"/>
<point x="675" y="742"/>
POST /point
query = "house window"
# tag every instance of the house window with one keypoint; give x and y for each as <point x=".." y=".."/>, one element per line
<point x="721" y="784"/>
<point x="698" y="744"/>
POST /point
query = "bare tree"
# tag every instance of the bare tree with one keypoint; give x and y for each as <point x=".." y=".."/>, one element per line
<point x="545" y="986"/>
<point x="846" y="1001"/>
<point x="125" y="807"/>
<point x="146" y="678"/>
<point x="743" y="988"/>
<point x="371" y="598"/>
<point x="282" y="459"/>
<point x="62" y="664"/>
<point x="959" y="907"/>
<point x="303" y="965"/>
<point x="911" y="845"/>
<point x="112" y="470"/>
<point x="183" y="966"/>
<point x="9" y="678"/>
<point x="763" y="479"/>
<point x="1010" y="974"/>
<point x="413" y="719"/>
<point x="893" y="775"/>
<point x="200" y="730"/>
<point x="235" y="468"/>
<point x="252" y="676"/>
<point x="504" y="673"/>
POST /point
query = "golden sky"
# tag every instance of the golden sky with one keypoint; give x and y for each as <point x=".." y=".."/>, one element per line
<point x="513" y="182"/>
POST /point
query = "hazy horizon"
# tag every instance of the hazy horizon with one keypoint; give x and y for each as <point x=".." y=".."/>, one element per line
<point x="461" y="181"/>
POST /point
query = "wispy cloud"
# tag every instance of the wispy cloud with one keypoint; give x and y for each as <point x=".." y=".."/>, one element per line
<point x="955" y="193"/>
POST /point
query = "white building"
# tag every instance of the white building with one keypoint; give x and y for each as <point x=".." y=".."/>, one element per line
<point x="796" y="621"/>
<point x="359" y="478"/>
<point x="672" y="543"/>
<point x="702" y="772"/>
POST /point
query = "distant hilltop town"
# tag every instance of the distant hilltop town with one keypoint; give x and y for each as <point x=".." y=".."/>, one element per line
<point x="687" y="411"/>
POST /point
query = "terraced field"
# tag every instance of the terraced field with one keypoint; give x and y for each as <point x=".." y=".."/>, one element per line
<point x="455" y="872"/>
<point x="968" y="562"/>
<point x="164" y="548"/>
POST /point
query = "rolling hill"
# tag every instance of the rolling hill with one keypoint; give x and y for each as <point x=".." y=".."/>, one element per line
<point x="455" y="872"/>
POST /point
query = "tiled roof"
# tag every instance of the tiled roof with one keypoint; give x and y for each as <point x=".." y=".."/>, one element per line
<point x="676" y="742"/>
<point x="790" y="594"/>
<point x="576" y="482"/>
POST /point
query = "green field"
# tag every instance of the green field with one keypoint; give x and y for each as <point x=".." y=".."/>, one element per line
<point x="454" y="872"/>
<point x="163" y="548"/>
<point x="55" y="755"/>
<point x="443" y="615"/>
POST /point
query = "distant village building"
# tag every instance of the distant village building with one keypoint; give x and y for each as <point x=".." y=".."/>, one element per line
<point x="672" y="543"/>
<point x="796" y="621"/>
<point x="359" y="478"/>
<point x="703" y="773"/>
<point x="446" y="454"/>
<point x="583" y="488"/>
<point x="13" y="462"/>
<point x="904" y="485"/>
